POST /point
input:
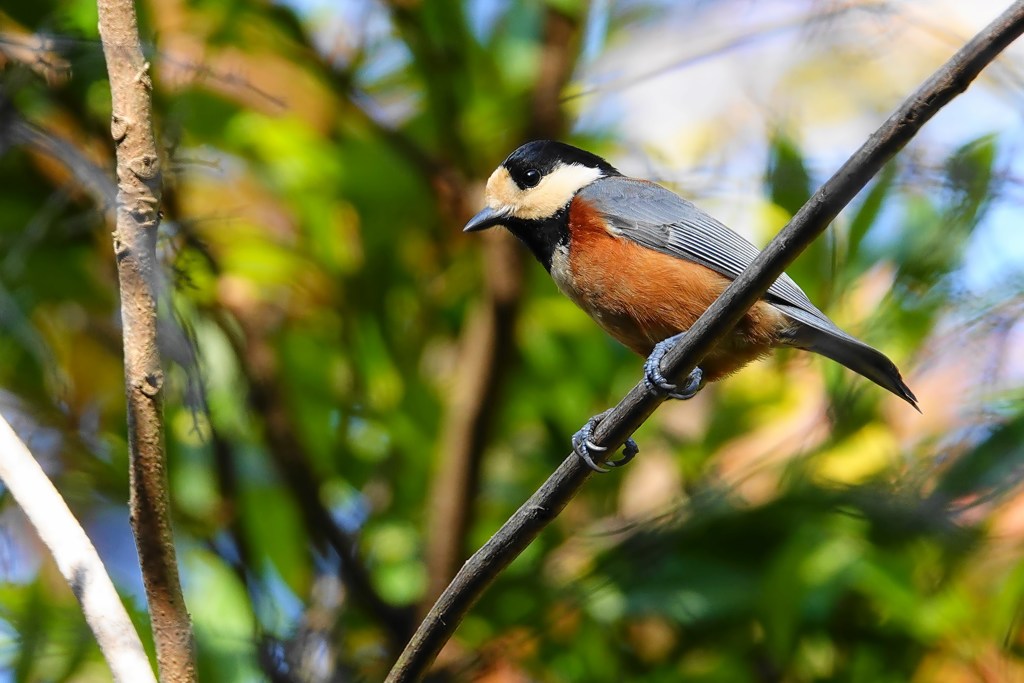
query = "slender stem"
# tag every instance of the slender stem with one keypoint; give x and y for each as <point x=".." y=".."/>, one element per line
<point x="138" y="199"/>
<point x="76" y="558"/>
<point x="544" y="505"/>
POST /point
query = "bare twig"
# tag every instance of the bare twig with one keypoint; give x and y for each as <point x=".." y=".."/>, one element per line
<point x="76" y="558"/>
<point x="138" y="198"/>
<point x="37" y="51"/>
<point x="528" y="521"/>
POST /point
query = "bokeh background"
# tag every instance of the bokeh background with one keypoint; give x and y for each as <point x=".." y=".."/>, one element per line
<point x="360" y="394"/>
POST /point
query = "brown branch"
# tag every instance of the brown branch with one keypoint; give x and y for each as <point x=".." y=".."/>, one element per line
<point x="487" y="340"/>
<point x="36" y="51"/>
<point x="528" y="521"/>
<point x="138" y="197"/>
<point x="557" y="60"/>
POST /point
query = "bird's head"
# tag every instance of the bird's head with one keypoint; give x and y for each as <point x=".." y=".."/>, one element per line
<point x="537" y="181"/>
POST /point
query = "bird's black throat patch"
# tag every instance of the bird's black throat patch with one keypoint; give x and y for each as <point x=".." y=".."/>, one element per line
<point x="542" y="236"/>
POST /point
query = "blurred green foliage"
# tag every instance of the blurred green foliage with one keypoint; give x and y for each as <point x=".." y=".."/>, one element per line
<point x="790" y="524"/>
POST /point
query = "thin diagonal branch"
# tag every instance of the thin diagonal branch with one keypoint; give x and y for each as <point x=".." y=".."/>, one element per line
<point x="75" y="557"/>
<point x="138" y="198"/>
<point x="528" y="521"/>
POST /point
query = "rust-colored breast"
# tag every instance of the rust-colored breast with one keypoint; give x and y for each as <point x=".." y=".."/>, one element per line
<point x="641" y="296"/>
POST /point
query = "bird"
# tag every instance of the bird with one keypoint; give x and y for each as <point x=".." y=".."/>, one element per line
<point x="645" y="263"/>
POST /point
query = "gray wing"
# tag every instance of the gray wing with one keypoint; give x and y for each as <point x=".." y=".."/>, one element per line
<point x="662" y="220"/>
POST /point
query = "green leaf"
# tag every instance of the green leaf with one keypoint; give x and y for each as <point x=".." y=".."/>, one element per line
<point x="969" y="172"/>
<point x="789" y="186"/>
<point x="275" y="530"/>
<point x="787" y="179"/>
<point x="223" y="620"/>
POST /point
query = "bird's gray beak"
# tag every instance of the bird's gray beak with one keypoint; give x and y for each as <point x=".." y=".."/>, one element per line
<point x="487" y="218"/>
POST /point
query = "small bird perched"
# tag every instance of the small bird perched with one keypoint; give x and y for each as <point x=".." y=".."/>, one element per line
<point x="645" y="264"/>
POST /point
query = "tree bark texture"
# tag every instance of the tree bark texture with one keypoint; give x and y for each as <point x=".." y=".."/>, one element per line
<point x="138" y="199"/>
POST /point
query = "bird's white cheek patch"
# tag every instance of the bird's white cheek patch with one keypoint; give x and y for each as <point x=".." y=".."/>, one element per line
<point x="552" y="193"/>
<point x="556" y="189"/>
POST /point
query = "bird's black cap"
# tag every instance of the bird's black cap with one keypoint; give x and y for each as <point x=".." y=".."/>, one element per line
<point x="544" y="155"/>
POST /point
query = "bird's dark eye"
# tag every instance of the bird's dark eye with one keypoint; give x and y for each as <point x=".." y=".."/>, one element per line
<point x="531" y="177"/>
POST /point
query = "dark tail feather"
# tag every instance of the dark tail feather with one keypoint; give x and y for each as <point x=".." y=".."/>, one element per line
<point x="826" y="339"/>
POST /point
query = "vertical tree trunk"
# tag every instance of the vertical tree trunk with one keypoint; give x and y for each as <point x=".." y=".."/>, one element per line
<point x="138" y="198"/>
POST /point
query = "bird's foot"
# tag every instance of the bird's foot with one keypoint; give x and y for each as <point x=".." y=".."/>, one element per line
<point x="582" y="446"/>
<point x="658" y="384"/>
